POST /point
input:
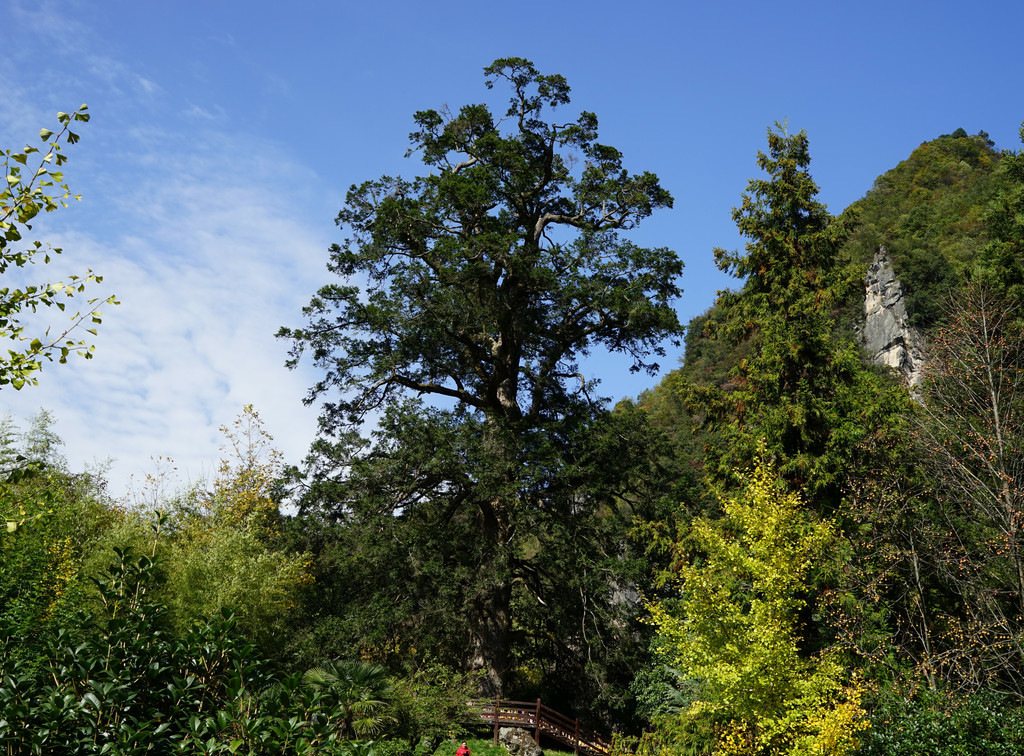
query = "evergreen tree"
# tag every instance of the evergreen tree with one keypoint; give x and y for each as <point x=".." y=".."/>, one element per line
<point x="801" y="387"/>
<point x="480" y="286"/>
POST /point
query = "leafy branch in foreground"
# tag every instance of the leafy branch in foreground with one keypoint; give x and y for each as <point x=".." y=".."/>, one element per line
<point x="33" y="183"/>
<point x="120" y="681"/>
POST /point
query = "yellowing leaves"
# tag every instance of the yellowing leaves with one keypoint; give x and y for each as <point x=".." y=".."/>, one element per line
<point x="221" y="555"/>
<point x="736" y="633"/>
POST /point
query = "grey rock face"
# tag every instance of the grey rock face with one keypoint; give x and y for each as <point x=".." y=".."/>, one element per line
<point x="887" y="336"/>
<point x="518" y="742"/>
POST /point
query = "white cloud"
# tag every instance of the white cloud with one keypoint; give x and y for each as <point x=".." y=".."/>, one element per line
<point x="195" y="111"/>
<point x="215" y="255"/>
<point x="147" y="86"/>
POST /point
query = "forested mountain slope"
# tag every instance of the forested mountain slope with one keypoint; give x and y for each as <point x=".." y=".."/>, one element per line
<point x="900" y="562"/>
<point x="928" y="212"/>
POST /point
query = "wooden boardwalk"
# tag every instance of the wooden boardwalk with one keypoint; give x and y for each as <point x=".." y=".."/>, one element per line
<point x="542" y="720"/>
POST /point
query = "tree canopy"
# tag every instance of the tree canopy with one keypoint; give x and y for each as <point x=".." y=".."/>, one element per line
<point x="463" y="283"/>
<point x="480" y="286"/>
<point x="795" y="385"/>
<point x="736" y="632"/>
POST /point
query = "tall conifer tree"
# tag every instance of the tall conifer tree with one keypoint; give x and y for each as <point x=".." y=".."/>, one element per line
<point x="800" y="388"/>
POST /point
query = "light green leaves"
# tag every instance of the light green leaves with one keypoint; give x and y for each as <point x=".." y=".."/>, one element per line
<point x="21" y="200"/>
<point x="736" y="630"/>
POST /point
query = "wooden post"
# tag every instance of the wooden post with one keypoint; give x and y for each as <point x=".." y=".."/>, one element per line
<point x="536" y="724"/>
<point x="576" y="739"/>
<point x="496" y="702"/>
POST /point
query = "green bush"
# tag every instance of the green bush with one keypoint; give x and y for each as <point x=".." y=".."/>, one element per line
<point x="119" y="682"/>
<point x="52" y="517"/>
<point x="428" y="706"/>
<point x="982" y="724"/>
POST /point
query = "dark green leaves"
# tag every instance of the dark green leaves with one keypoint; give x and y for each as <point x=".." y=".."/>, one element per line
<point x="798" y="387"/>
<point x="462" y="282"/>
<point x="479" y="286"/>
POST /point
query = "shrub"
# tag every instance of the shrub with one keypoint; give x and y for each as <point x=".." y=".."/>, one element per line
<point x="119" y="682"/>
<point x="981" y="724"/>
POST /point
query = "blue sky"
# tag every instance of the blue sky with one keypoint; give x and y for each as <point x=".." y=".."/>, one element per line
<point x="224" y="135"/>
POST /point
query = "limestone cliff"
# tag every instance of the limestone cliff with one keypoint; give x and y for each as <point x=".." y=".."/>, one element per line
<point x="887" y="335"/>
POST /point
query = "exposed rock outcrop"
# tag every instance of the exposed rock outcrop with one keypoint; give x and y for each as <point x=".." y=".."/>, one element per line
<point x="888" y="337"/>
<point x="518" y="742"/>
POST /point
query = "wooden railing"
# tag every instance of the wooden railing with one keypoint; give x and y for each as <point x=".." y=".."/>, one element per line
<point x="542" y="720"/>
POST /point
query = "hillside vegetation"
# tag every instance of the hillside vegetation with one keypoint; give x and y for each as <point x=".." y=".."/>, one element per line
<point x="778" y="549"/>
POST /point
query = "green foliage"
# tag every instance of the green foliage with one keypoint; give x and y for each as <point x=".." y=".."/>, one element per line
<point x="399" y="589"/>
<point x="929" y="212"/>
<point x="28" y="190"/>
<point x="983" y="724"/>
<point x="428" y="705"/>
<point x="213" y="564"/>
<point x="357" y="690"/>
<point x="930" y="278"/>
<point x="925" y="492"/>
<point x="53" y="519"/>
<point x="462" y="260"/>
<point x="480" y="286"/>
<point x="793" y="239"/>
<point x="113" y="679"/>
<point x="797" y="384"/>
<point x="736" y="631"/>
<point x="119" y="682"/>
<point x="220" y="547"/>
<point x="1000" y="264"/>
<point x="933" y="588"/>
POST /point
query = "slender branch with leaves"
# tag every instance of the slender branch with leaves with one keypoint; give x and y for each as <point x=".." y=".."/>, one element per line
<point x="33" y="183"/>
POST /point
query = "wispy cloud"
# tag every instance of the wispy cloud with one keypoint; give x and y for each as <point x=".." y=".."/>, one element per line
<point x="224" y="262"/>
<point x="204" y="114"/>
<point x="211" y="242"/>
<point x="147" y="86"/>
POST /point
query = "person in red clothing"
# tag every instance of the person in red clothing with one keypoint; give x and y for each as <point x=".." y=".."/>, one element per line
<point x="463" y="750"/>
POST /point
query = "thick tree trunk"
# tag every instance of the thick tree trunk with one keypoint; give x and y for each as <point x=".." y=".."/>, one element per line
<point x="489" y="624"/>
<point x="489" y="610"/>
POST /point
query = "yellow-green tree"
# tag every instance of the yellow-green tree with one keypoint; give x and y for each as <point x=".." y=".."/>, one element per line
<point x="222" y="553"/>
<point x="217" y="545"/>
<point x="734" y="631"/>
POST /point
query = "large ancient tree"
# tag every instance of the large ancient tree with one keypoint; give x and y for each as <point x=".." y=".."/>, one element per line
<point x="470" y="294"/>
